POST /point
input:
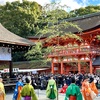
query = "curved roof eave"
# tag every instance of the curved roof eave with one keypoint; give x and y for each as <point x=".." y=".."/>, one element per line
<point x="85" y="22"/>
<point x="8" y="37"/>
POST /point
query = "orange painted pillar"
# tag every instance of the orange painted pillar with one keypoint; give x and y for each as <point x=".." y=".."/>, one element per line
<point x="94" y="70"/>
<point x="85" y="69"/>
<point x="52" y="67"/>
<point x="67" y="69"/>
<point x="61" y="67"/>
<point x="79" y="66"/>
<point x="91" y="71"/>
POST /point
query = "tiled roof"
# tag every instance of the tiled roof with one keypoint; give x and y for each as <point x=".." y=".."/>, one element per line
<point x="85" y="22"/>
<point x="10" y="38"/>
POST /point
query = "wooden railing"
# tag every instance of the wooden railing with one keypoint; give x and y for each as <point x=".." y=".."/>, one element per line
<point x="74" y="51"/>
<point x="10" y="81"/>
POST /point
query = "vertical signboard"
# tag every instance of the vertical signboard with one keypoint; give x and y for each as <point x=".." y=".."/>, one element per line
<point x="5" y="54"/>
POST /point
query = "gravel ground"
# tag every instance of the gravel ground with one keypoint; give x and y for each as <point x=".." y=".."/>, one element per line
<point x="42" y="96"/>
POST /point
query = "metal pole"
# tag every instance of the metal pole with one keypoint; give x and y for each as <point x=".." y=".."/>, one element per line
<point x="38" y="91"/>
<point x="57" y="88"/>
<point x="38" y="86"/>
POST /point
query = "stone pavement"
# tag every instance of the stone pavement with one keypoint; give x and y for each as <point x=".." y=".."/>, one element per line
<point x="42" y="96"/>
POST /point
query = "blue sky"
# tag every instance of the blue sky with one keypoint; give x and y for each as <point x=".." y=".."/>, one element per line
<point x="73" y="4"/>
<point x="89" y="2"/>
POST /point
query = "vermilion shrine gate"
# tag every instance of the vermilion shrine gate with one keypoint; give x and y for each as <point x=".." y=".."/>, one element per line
<point x="76" y="52"/>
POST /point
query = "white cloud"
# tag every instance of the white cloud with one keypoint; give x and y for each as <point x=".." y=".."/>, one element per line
<point x="41" y="2"/>
<point x="73" y="4"/>
<point x="85" y="2"/>
<point x="1" y="2"/>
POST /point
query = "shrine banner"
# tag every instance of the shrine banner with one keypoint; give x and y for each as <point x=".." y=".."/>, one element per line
<point x="5" y="54"/>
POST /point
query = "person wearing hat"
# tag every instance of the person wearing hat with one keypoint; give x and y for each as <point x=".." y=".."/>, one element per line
<point x="28" y="92"/>
<point x="51" y="91"/>
<point x="18" y="88"/>
<point x="73" y="91"/>
<point x="86" y="90"/>
<point x="93" y="86"/>
<point x="2" y="90"/>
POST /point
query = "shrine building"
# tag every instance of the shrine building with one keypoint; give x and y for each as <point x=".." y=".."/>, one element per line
<point x="10" y="42"/>
<point x="77" y="56"/>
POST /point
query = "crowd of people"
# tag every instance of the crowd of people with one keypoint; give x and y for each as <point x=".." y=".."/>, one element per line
<point x="75" y="86"/>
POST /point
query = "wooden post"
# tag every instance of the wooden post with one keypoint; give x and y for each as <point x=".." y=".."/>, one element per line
<point x="61" y="66"/>
<point x="79" y="66"/>
<point x="52" y="67"/>
<point x="91" y="71"/>
<point x="94" y="70"/>
<point x="10" y="69"/>
<point x="10" y="66"/>
<point x="67" y="69"/>
<point x="84" y="69"/>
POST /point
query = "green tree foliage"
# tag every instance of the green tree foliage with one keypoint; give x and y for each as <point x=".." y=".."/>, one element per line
<point x="38" y="55"/>
<point x="84" y="10"/>
<point x="19" y="18"/>
<point x="98" y="37"/>
<point x="48" y="19"/>
<point x="53" y="24"/>
<point x="18" y="56"/>
<point x="37" y="52"/>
